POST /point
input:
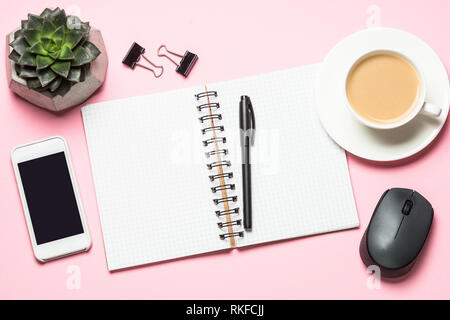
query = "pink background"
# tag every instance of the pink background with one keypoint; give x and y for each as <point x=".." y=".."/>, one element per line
<point x="233" y="39"/>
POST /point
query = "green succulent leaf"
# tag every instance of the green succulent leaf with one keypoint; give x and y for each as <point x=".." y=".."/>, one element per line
<point x="66" y="53"/>
<point x="58" y="35"/>
<point x="27" y="59"/>
<point x="84" y="71"/>
<point x="33" y="83"/>
<point x="63" y="88"/>
<point x="84" y="39"/>
<point x="74" y="23"/>
<point x="61" y="68"/>
<point x="23" y="24"/>
<point x="43" y="62"/>
<point x="45" y="13"/>
<point x="34" y="22"/>
<point x="58" y="17"/>
<point x="19" y="45"/>
<point x="46" y="43"/>
<point x="38" y="48"/>
<point x="56" y="46"/>
<point x="48" y="28"/>
<point x="18" y="33"/>
<point x="46" y="76"/>
<point x="27" y="72"/>
<point x="85" y="27"/>
<point x="73" y="37"/>
<point x="54" y="55"/>
<point x="59" y="44"/>
<point x="81" y="57"/>
<point x="32" y="36"/>
<point x="55" y="84"/>
<point x="49" y="45"/>
<point x="42" y="89"/>
<point x="92" y="50"/>
<point x="74" y="74"/>
<point x="14" y="56"/>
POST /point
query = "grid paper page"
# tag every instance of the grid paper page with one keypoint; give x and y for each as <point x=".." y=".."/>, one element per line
<point x="300" y="179"/>
<point x="153" y="193"/>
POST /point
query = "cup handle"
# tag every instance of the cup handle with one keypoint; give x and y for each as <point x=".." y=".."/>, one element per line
<point x="431" y="109"/>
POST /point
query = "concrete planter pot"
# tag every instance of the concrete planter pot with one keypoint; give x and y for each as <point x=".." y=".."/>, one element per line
<point x="78" y="93"/>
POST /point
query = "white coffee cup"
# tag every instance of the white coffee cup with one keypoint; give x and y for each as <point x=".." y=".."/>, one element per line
<point x="421" y="106"/>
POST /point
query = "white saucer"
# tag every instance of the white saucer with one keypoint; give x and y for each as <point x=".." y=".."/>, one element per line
<point x="375" y="144"/>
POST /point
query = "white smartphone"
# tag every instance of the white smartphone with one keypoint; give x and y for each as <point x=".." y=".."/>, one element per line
<point x="50" y="199"/>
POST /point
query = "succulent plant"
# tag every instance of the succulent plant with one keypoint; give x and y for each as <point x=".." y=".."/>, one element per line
<point x="52" y="51"/>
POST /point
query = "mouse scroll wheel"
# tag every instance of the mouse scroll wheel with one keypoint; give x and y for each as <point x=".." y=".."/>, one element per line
<point x="407" y="207"/>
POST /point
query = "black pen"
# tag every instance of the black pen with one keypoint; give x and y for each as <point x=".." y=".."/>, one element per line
<point x="247" y="126"/>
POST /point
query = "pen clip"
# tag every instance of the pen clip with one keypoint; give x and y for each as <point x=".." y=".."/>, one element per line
<point x="252" y="118"/>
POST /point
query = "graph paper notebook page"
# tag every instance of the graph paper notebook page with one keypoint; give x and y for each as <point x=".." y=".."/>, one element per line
<point x="169" y="185"/>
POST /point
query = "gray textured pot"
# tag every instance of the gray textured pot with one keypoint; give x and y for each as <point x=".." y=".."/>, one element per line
<point x="79" y="92"/>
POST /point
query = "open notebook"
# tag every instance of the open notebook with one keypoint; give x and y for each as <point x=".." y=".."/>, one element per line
<point x="169" y="185"/>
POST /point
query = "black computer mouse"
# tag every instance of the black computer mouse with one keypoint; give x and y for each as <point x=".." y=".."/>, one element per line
<point x="397" y="231"/>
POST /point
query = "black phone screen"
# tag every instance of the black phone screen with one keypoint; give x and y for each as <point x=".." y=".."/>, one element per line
<point x="50" y="198"/>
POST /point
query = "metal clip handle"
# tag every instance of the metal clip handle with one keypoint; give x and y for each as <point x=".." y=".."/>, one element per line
<point x="148" y="68"/>
<point x="170" y="52"/>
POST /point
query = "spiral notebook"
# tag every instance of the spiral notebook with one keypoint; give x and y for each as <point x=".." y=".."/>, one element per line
<point x="167" y="166"/>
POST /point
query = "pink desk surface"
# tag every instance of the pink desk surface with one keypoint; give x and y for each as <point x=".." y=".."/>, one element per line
<point x="233" y="39"/>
